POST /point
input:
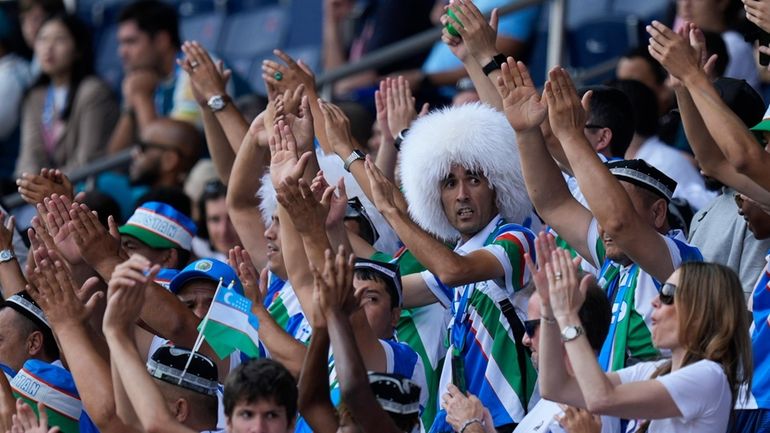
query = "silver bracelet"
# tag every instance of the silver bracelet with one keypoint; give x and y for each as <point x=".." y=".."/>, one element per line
<point x="549" y="320"/>
<point x="469" y="422"/>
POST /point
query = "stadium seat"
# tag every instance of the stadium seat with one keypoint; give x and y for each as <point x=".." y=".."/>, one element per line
<point x="248" y="33"/>
<point x="600" y="40"/>
<point x="108" y="64"/>
<point x="204" y="28"/>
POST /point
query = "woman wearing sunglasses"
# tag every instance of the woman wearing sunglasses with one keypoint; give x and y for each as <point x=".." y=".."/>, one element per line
<point x="699" y="317"/>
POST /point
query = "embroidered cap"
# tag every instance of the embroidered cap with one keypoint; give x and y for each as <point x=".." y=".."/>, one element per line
<point x="167" y="364"/>
<point x="388" y="272"/>
<point x="159" y="225"/>
<point x="53" y="386"/>
<point x="23" y="304"/>
<point x="207" y="269"/>
<point x="395" y="393"/>
<point x="642" y="174"/>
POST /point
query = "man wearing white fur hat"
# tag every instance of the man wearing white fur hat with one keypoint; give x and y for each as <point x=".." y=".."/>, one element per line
<point x="462" y="180"/>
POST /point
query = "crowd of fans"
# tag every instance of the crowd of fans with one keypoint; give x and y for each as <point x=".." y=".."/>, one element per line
<point x="475" y="255"/>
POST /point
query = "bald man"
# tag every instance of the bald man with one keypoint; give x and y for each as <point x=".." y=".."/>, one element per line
<point x="165" y="153"/>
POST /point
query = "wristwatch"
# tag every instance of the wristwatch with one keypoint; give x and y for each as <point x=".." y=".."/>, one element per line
<point x="218" y="102"/>
<point x="569" y="333"/>
<point x="495" y="63"/>
<point x="6" y="256"/>
<point x="400" y="138"/>
<point x="355" y="156"/>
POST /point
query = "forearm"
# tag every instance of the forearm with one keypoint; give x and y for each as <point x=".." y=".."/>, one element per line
<point x="484" y="84"/>
<point x="333" y="53"/>
<point x="730" y="134"/>
<point x="387" y="156"/>
<point x="314" y="402"/>
<point x="168" y="317"/>
<point x="144" y="109"/>
<point x="706" y="150"/>
<point x="146" y="399"/>
<point x="338" y="236"/>
<point x="12" y="278"/>
<point x="233" y="125"/>
<point x="555" y="383"/>
<point x="594" y="384"/>
<point x="544" y="181"/>
<point x="91" y="370"/>
<point x="448" y="266"/>
<point x="123" y="134"/>
<point x="282" y="346"/>
<point x="316" y="243"/>
<point x="296" y="261"/>
<point x="221" y="152"/>
<point x="352" y="376"/>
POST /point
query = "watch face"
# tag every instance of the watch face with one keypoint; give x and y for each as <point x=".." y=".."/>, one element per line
<point x="5" y="255"/>
<point x="570" y="332"/>
<point x="216" y="103"/>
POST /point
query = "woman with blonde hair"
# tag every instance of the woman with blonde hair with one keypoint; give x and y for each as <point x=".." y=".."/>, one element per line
<point x="700" y="317"/>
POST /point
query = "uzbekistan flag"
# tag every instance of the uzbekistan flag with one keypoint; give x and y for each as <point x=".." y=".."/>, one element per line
<point x="230" y="324"/>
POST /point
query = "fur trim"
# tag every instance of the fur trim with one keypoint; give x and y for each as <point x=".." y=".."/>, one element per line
<point x="268" y="202"/>
<point x="333" y="169"/>
<point x="475" y="136"/>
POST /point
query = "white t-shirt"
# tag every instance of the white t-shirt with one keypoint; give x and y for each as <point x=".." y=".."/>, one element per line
<point x="700" y="391"/>
<point x="543" y="419"/>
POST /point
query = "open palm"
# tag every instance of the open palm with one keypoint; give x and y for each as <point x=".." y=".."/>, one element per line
<point x="521" y="101"/>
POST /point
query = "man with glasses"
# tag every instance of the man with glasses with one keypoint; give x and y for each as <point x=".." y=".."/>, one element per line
<point x="545" y="415"/>
<point x="167" y="151"/>
<point x="625" y="234"/>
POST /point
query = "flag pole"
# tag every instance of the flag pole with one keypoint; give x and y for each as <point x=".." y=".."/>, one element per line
<point x="199" y="339"/>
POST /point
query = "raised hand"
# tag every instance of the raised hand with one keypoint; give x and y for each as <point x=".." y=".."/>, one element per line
<point x="333" y="288"/>
<point x="545" y="245"/>
<point x="52" y="287"/>
<point x="337" y="205"/>
<point x="674" y="51"/>
<point x="207" y="79"/>
<point x="125" y="293"/>
<point x="400" y="105"/>
<point x="455" y="43"/>
<point x="34" y="188"/>
<point x="301" y="125"/>
<point x="305" y="211"/>
<point x="7" y="225"/>
<point x="254" y="282"/>
<point x="92" y="239"/>
<point x="337" y="129"/>
<point x="566" y="111"/>
<point x="284" y="160"/>
<point x="478" y="35"/>
<point x="385" y="195"/>
<point x="25" y="420"/>
<point x="564" y="286"/>
<point x="521" y="100"/>
<point x="291" y="73"/>
<point x="381" y="106"/>
<point x="57" y="219"/>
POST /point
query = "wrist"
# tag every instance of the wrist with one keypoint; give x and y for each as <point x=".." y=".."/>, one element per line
<point x="469" y="422"/>
<point x="694" y="78"/>
<point x="568" y="318"/>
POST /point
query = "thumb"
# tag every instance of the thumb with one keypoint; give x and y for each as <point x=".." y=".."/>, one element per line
<point x="93" y="302"/>
<point x="425" y="109"/>
<point x="586" y="101"/>
<point x="263" y="281"/>
<point x="494" y="19"/>
<point x="708" y="68"/>
<point x="113" y="227"/>
<point x="80" y="197"/>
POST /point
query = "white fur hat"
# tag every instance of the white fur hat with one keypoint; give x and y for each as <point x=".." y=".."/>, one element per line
<point x="268" y="202"/>
<point x="474" y="136"/>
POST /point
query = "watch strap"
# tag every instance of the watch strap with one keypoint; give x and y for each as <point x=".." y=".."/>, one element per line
<point x="354" y="156"/>
<point x="214" y="99"/>
<point x="400" y="138"/>
<point x="7" y="255"/>
<point x="495" y="63"/>
<point x="571" y="332"/>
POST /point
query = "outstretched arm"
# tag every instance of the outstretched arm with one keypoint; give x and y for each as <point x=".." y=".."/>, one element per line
<point x="545" y="184"/>
<point x="603" y="393"/>
<point x="336" y="300"/>
<point x="739" y="161"/>
<point x="609" y="201"/>
<point x="125" y="299"/>
<point x="282" y="346"/>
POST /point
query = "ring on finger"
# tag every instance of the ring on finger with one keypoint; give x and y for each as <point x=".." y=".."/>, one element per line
<point x="194" y="64"/>
<point x="278" y="76"/>
<point x="558" y="276"/>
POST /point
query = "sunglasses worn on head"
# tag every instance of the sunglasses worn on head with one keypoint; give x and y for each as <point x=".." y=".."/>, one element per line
<point x="530" y="326"/>
<point x="666" y="293"/>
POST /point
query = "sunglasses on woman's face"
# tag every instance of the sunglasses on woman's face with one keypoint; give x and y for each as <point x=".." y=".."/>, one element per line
<point x="530" y="327"/>
<point x="666" y="294"/>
